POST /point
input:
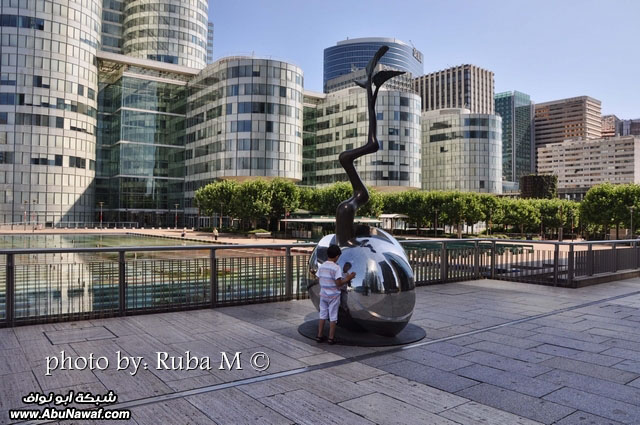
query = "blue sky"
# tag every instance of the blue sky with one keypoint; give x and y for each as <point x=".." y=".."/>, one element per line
<point x="547" y="49"/>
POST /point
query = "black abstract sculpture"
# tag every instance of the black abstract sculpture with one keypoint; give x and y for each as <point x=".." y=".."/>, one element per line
<point x="380" y="300"/>
<point x="346" y="212"/>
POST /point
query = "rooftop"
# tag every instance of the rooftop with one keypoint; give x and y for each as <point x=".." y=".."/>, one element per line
<point x="495" y="352"/>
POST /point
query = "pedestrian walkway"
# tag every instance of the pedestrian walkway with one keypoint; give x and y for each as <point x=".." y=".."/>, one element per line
<point x="496" y="352"/>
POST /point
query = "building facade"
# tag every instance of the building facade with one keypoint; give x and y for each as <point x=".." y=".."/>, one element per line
<point x="209" y="43"/>
<point x="348" y="56"/>
<point x="629" y="127"/>
<point x="341" y="121"/>
<point x="48" y="104"/>
<point x="610" y="126"/>
<point x="461" y="151"/>
<point x="465" y="86"/>
<point x="576" y="117"/>
<point x="518" y="151"/>
<point x="244" y="121"/>
<point x="112" y="20"/>
<point x="170" y="31"/>
<point x="582" y="164"/>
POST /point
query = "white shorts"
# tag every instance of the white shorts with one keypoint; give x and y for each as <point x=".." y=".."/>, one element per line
<point x="329" y="308"/>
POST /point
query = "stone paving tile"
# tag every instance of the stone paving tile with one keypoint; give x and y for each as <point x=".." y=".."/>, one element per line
<point x="355" y="371"/>
<point x="599" y="359"/>
<point x="447" y="348"/>
<point x="170" y="412"/>
<point x="505" y="363"/>
<point x="635" y="383"/>
<point x="623" y="353"/>
<point x="433" y="359"/>
<point x="15" y="386"/>
<point x="580" y="336"/>
<point x="305" y="408"/>
<point x="517" y="403"/>
<point x="569" y="343"/>
<point x="423" y="396"/>
<point x="476" y="413"/>
<point x="590" y="369"/>
<point x="385" y="410"/>
<point x="382" y="360"/>
<point x="593" y="385"/>
<point x="79" y="334"/>
<point x="8" y="339"/>
<point x="597" y="405"/>
<point x="583" y="418"/>
<point x="529" y="356"/>
<point x="13" y="360"/>
<point x="508" y="380"/>
<point x="231" y="406"/>
<point x="629" y="366"/>
<point x="430" y="376"/>
<point x="507" y="340"/>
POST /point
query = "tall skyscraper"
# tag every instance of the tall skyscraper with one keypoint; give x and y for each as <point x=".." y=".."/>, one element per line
<point x="518" y="154"/>
<point x="209" y="43"/>
<point x="629" y="127"/>
<point x="464" y="86"/>
<point x="572" y="118"/>
<point x="348" y="56"/>
<point x="112" y="19"/>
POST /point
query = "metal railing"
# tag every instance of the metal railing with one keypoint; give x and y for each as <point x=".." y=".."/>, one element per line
<point x="39" y="225"/>
<point x="50" y="285"/>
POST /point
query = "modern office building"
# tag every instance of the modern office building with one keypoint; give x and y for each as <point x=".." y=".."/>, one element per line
<point x="340" y="122"/>
<point x="465" y="86"/>
<point x="518" y="151"/>
<point x="348" y="56"/>
<point x="112" y="19"/>
<point x="244" y="121"/>
<point x="610" y="126"/>
<point x="209" y="43"/>
<point x="171" y="31"/>
<point x="629" y="127"/>
<point x="141" y="139"/>
<point x="572" y="118"/>
<point x="461" y="151"/>
<point x="48" y="102"/>
<point x="582" y="164"/>
<point x="402" y="82"/>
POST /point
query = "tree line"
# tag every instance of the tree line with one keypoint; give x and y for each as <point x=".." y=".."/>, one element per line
<point x="265" y="202"/>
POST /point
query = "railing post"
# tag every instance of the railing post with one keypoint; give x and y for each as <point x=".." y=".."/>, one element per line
<point x="493" y="259"/>
<point x="443" y="262"/>
<point x="288" y="264"/>
<point x="634" y="246"/>
<point x="11" y="291"/>
<point x="556" y="258"/>
<point x="590" y="260"/>
<point x="476" y="260"/>
<point x="615" y="257"/>
<point x="122" y="282"/>
<point x="571" y="267"/>
<point x="213" y="277"/>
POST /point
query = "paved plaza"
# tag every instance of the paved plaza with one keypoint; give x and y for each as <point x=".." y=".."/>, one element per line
<point x="496" y="353"/>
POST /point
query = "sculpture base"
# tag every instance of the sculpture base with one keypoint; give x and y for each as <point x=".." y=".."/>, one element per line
<point x="411" y="333"/>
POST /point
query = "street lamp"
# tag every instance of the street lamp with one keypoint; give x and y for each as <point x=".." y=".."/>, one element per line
<point x="177" y="205"/>
<point x="435" y="225"/>
<point x="101" y="204"/>
<point x="26" y="203"/>
<point x="631" y="208"/>
<point x="33" y="215"/>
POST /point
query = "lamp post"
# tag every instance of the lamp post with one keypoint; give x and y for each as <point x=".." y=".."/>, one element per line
<point x="435" y="225"/>
<point x="177" y="205"/>
<point x="33" y="215"/>
<point x="101" y="204"/>
<point x="631" y="208"/>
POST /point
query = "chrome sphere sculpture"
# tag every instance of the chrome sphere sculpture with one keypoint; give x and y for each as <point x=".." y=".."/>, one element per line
<point x="381" y="298"/>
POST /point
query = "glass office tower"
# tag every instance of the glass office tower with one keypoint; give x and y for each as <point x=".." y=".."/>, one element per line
<point x="48" y="100"/>
<point x="518" y="154"/>
<point x="350" y="55"/>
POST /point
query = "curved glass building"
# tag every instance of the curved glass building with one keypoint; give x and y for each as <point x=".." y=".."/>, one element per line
<point x="48" y="88"/>
<point x="171" y="31"/>
<point x="351" y="55"/>
<point x="462" y="151"/>
<point x="244" y="121"/>
<point x="339" y="122"/>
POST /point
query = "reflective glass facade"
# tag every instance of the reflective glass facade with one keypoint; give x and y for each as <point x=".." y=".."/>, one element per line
<point x="171" y="31"/>
<point x="141" y="147"/>
<point x="341" y="123"/>
<point x="349" y="55"/>
<point x="517" y="112"/>
<point x="48" y="102"/>
<point x="244" y="121"/>
<point x="462" y="151"/>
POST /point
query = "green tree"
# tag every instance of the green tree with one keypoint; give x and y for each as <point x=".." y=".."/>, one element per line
<point x="453" y="209"/>
<point x="520" y="213"/>
<point x="216" y="198"/>
<point x="252" y="201"/>
<point x="491" y="207"/>
<point x="597" y="206"/>
<point x="331" y="196"/>
<point x="472" y="212"/>
<point x="308" y="198"/>
<point x="417" y="209"/>
<point x="285" y="198"/>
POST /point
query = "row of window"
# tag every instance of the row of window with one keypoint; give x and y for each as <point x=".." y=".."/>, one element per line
<point x="473" y="134"/>
<point x="245" y="163"/>
<point x="243" y="145"/>
<point x="47" y="121"/>
<point x="164" y="8"/>
<point x="257" y="70"/>
<point x="155" y="21"/>
<point x="21" y="99"/>
<point x="188" y="55"/>
<point x="37" y="62"/>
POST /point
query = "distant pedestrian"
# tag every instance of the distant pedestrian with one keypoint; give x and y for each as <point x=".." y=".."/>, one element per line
<point x="184" y="232"/>
<point x="215" y="233"/>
